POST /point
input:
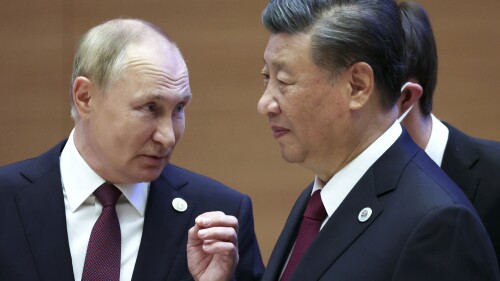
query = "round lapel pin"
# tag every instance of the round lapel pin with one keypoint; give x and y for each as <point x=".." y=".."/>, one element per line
<point x="365" y="214"/>
<point x="179" y="204"/>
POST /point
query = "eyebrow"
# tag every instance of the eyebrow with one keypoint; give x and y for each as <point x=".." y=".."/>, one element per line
<point x="186" y="96"/>
<point x="280" y="65"/>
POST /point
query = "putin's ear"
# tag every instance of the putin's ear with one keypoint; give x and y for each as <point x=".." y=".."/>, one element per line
<point x="410" y="95"/>
<point x="82" y="94"/>
<point x="362" y="83"/>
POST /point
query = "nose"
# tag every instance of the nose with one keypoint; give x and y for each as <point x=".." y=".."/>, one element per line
<point x="164" y="133"/>
<point x="268" y="104"/>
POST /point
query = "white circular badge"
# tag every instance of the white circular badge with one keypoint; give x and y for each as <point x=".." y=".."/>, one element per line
<point x="179" y="204"/>
<point x="365" y="214"/>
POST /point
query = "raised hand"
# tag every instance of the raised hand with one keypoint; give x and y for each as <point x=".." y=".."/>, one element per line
<point x="212" y="247"/>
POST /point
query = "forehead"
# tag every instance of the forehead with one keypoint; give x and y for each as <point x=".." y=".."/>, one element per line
<point x="155" y="52"/>
<point x="284" y="49"/>
<point x="157" y="64"/>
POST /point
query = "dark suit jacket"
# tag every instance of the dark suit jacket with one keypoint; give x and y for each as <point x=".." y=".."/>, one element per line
<point x="474" y="165"/>
<point x="33" y="237"/>
<point x="422" y="228"/>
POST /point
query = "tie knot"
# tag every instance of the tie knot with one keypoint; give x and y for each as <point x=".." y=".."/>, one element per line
<point x="107" y="194"/>
<point x="315" y="209"/>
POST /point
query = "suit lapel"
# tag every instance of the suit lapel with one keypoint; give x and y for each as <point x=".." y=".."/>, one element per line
<point x="162" y="233"/>
<point x="343" y="227"/>
<point x="41" y="210"/>
<point x="341" y="230"/>
<point x="459" y="160"/>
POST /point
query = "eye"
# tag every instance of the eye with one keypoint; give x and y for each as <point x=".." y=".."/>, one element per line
<point x="283" y="80"/>
<point x="265" y="78"/>
<point x="180" y="108"/>
<point x="282" y="83"/>
<point x="150" y="107"/>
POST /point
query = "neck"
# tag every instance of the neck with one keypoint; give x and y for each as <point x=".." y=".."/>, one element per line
<point x="419" y="127"/>
<point x="83" y="147"/>
<point x="363" y="134"/>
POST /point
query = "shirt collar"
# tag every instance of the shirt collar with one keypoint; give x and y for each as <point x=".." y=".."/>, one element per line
<point x="79" y="181"/>
<point x="437" y="141"/>
<point x="337" y="188"/>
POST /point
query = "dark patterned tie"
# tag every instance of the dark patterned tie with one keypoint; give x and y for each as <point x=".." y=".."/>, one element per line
<point x="102" y="261"/>
<point x="313" y="217"/>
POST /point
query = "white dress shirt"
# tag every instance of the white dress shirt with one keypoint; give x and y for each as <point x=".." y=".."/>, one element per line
<point x="337" y="188"/>
<point x="79" y="182"/>
<point x="438" y="140"/>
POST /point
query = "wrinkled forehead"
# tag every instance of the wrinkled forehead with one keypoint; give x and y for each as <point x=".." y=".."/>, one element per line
<point x="155" y="52"/>
<point x="156" y="65"/>
<point x="155" y="61"/>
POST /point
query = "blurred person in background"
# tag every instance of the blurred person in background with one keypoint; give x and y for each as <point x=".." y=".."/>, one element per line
<point x="472" y="163"/>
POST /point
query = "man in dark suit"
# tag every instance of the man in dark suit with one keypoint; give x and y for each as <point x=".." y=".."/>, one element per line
<point x="379" y="208"/>
<point x="472" y="163"/>
<point x="105" y="204"/>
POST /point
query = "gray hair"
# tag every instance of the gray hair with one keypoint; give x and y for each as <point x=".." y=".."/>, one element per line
<point x="344" y="32"/>
<point x="100" y="55"/>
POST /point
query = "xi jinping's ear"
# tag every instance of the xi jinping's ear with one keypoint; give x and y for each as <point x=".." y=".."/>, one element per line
<point x="362" y="83"/>
<point x="82" y="95"/>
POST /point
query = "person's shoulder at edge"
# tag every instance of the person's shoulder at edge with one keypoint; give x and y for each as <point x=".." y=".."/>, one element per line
<point x="208" y="184"/>
<point x="13" y="175"/>
<point x="485" y="142"/>
<point x="442" y="181"/>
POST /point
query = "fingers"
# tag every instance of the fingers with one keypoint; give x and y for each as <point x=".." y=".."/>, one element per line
<point x="213" y="246"/>
<point x="216" y="218"/>
<point x="218" y="233"/>
<point x="218" y="240"/>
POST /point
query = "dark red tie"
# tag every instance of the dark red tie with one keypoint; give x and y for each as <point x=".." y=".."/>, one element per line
<point x="314" y="216"/>
<point x="102" y="261"/>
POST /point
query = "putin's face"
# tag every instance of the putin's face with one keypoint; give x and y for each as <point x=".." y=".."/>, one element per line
<point x="132" y="129"/>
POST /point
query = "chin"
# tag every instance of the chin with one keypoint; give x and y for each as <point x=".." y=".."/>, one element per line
<point x="148" y="175"/>
<point x="151" y="176"/>
<point x="291" y="157"/>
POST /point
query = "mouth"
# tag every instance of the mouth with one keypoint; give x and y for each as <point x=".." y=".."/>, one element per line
<point x="279" y="131"/>
<point x="156" y="160"/>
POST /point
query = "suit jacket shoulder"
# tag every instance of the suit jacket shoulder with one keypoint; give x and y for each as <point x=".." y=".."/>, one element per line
<point x="417" y="216"/>
<point x="16" y="175"/>
<point x="474" y="164"/>
<point x="203" y="186"/>
<point x="33" y="235"/>
<point x="471" y="162"/>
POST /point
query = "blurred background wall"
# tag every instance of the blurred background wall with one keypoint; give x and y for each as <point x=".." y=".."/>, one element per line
<point x="222" y="42"/>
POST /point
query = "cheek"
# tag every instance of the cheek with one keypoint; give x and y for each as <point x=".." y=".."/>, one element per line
<point x="303" y="110"/>
<point x="178" y="127"/>
<point x="133" y="132"/>
<point x="316" y="116"/>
